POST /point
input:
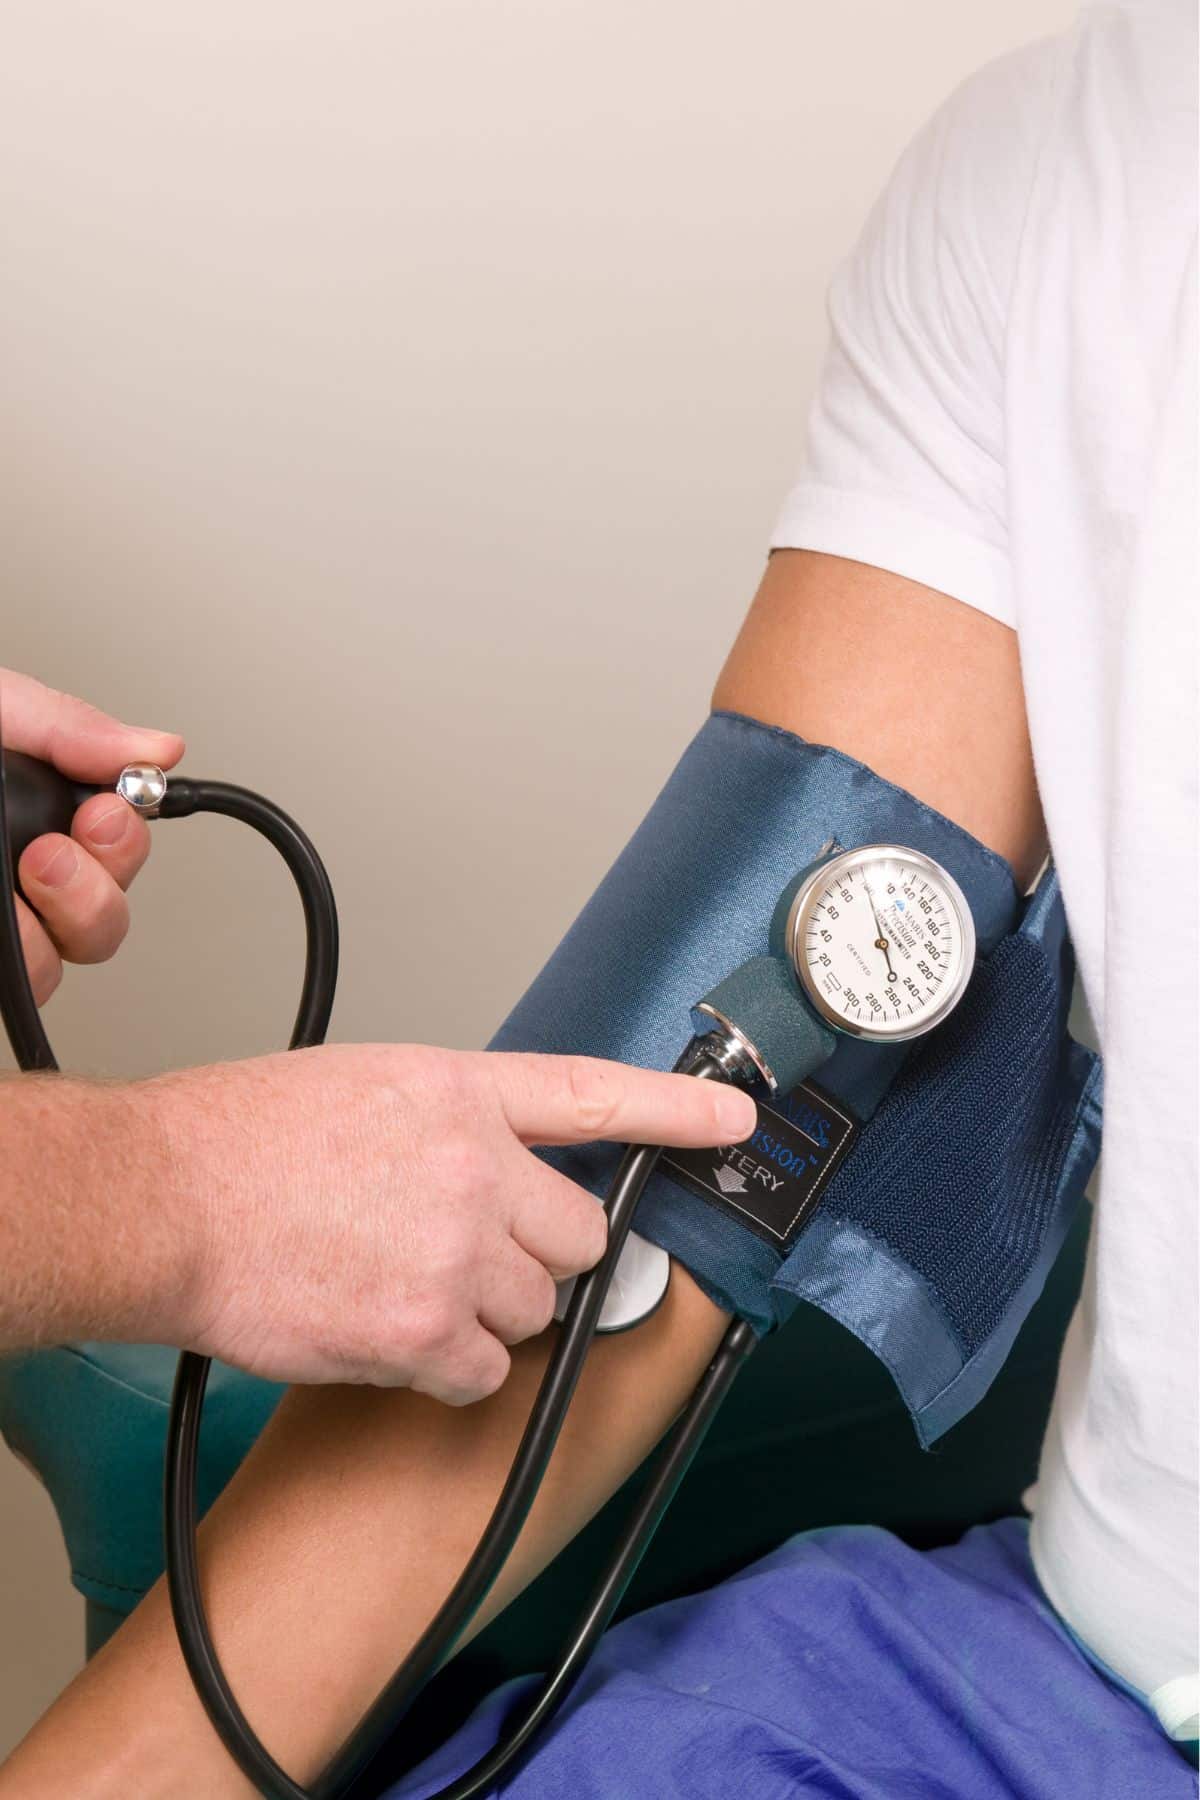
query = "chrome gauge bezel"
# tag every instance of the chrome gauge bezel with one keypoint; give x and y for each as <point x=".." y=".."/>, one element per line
<point x="845" y="861"/>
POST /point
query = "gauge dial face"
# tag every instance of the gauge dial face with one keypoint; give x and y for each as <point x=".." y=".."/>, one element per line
<point x="882" y="941"/>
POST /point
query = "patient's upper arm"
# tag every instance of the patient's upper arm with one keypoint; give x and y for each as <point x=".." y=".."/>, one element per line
<point x="923" y="689"/>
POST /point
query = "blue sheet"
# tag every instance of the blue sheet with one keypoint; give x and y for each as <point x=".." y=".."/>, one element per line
<point x="849" y="1666"/>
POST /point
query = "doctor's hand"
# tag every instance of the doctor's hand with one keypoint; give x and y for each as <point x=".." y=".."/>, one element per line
<point x="74" y="906"/>
<point x="372" y="1213"/>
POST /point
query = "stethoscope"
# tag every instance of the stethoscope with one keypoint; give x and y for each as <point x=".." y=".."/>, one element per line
<point x="875" y="942"/>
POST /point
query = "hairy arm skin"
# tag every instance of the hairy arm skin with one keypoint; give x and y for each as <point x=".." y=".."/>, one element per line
<point x="353" y="1515"/>
<point x="92" y="1242"/>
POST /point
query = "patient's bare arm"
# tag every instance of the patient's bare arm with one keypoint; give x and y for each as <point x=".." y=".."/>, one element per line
<point x="354" y="1514"/>
<point x="925" y="690"/>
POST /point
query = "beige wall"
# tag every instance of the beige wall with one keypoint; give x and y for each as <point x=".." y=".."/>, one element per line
<point x="395" y="399"/>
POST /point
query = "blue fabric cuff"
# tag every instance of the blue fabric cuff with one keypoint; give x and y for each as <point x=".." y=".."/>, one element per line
<point x="907" y="1247"/>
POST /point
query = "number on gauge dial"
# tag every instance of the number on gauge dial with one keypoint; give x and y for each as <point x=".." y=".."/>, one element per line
<point x="880" y="943"/>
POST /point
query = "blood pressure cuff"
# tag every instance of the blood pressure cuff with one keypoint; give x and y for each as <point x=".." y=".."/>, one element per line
<point x="917" y="1192"/>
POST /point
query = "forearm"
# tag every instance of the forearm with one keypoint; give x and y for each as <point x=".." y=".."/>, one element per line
<point x="92" y="1244"/>
<point x="332" y="1548"/>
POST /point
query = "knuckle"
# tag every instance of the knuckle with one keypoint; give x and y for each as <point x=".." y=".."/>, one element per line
<point x="100" y="923"/>
<point x="46" y="975"/>
<point x="451" y="1249"/>
<point x="468" y="1378"/>
<point x="593" y="1095"/>
<point x="588" y="1242"/>
<point x="465" y="1167"/>
<point x="491" y="1372"/>
<point x="544" y="1303"/>
<point x="446" y="1393"/>
<point x="438" y="1072"/>
<point x="595" y="1233"/>
<point x="588" y="1224"/>
<point x="426" y="1332"/>
<point x="58" y="706"/>
<point x="409" y="1072"/>
<point x="42" y="961"/>
<point x="135" y="858"/>
<point x="70" y="716"/>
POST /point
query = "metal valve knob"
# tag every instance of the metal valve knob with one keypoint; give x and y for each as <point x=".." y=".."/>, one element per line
<point x="143" y="786"/>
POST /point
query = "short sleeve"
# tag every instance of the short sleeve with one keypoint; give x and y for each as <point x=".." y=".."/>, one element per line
<point x="904" y="457"/>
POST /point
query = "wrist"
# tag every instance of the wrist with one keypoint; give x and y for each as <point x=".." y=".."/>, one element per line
<point x="203" y="1124"/>
<point x="155" y="1120"/>
<point x="94" y="1240"/>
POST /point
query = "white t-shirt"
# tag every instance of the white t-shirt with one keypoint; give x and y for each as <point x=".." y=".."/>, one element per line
<point x="1008" y="414"/>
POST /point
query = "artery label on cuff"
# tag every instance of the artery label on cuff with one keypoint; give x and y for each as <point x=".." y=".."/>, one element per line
<point x="773" y="1181"/>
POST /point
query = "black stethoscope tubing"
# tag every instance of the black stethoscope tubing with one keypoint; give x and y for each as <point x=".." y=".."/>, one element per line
<point x="345" y="1776"/>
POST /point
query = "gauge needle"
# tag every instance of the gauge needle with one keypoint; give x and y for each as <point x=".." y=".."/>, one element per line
<point x="881" y="942"/>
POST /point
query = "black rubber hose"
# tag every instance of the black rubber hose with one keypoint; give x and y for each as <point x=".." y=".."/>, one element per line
<point x="187" y="1400"/>
<point x="38" y="798"/>
<point x="18" y="1008"/>
<point x="32" y="1049"/>
<point x="40" y="810"/>
<point x="183" y="798"/>
<point x="671" y="1465"/>
<point x="521" y="1485"/>
<point x="350" y="1763"/>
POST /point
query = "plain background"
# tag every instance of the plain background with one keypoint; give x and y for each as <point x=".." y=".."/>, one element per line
<point x="396" y="398"/>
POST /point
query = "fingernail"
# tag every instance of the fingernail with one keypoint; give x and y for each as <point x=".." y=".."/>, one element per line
<point x="109" y="828"/>
<point x="61" y="867"/>
<point x="737" y="1115"/>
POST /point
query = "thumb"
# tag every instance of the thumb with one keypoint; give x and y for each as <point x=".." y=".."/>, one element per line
<point x="80" y="741"/>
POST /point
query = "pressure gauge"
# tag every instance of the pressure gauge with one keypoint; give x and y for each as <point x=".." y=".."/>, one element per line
<point x="882" y="941"/>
